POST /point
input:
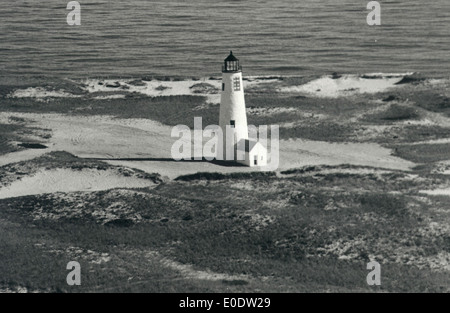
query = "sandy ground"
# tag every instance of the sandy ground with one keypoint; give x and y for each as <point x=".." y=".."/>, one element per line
<point x="67" y="180"/>
<point x="298" y="153"/>
<point x="437" y="192"/>
<point x="329" y="87"/>
<point x="146" y="145"/>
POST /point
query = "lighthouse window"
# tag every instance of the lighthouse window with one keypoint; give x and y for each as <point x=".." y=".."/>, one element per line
<point x="223" y="87"/>
<point x="232" y="123"/>
<point x="237" y="84"/>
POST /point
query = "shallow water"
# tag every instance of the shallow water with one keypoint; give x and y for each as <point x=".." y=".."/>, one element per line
<point x="191" y="38"/>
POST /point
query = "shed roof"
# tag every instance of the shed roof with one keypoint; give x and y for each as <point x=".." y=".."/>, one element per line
<point x="248" y="145"/>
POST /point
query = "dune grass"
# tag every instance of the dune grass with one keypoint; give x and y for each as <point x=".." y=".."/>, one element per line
<point x="394" y="113"/>
<point x="295" y="233"/>
<point x="306" y="231"/>
<point x="424" y="153"/>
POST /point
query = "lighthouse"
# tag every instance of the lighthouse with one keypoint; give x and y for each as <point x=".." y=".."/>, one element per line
<point x="232" y="105"/>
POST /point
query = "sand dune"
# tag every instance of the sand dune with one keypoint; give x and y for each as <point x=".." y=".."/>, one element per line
<point x="329" y="87"/>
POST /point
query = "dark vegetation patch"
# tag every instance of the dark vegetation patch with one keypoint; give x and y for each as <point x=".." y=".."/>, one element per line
<point x="32" y="145"/>
<point x="235" y="282"/>
<point x="204" y="88"/>
<point x="433" y="101"/>
<point x="423" y="153"/>
<point x="6" y="90"/>
<point x="297" y="80"/>
<point x="170" y="110"/>
<point x="162" y="88"/>
<point x="318" y="168"/>
<point x="337" y="107"/>
<point x="331" y="132"/>
<point x="17" y="130"/>
<point x="301" y="170"/>
<point x="121" y="222"/>
<point x="415" y="78"/>
<point x="390" y="98"/>
<point x="8" y="134"/>
<point x="220" y="176"/>
<point x="411" y="133"/>
<point x="137" y="82"/>
<point x="394" y="113"/>
<point x="335" y="128"/>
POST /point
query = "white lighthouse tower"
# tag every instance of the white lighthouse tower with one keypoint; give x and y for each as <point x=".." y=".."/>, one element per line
<point x="232" y="104"/>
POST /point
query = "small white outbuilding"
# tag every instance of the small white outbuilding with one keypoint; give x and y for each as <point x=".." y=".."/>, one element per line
<point x="255" y="153"/>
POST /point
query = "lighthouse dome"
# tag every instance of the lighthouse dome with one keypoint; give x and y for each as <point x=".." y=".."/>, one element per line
<point x="231" y="64"/>
<point x="231" y="57"/>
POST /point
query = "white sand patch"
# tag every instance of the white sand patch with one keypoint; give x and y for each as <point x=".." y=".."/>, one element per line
<point x="41" y="93"/>
<point x="423" y="122"/>
<point x="270" y="111"/>
<point x="300" y="153"/>
<point x="66" y="180"/>
<point x="19" y="289"/>
<point x="437" y="192"/>
<point x="440" y="262"/>
<point x="150" y="88"/>
<point x="20" y="156"/>
<point x="110" y="97"/>
<point x="98" y="136"/>
<point x="146" y="145"/>
<point x="347" y="85"/>
<point x="431" y="142"/>
<point x="211" y="87"/>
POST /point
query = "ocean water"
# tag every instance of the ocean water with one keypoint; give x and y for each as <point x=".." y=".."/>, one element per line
<point x="137" y="38"/>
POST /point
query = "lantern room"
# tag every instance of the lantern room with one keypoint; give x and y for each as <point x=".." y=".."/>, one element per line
<point x="231" y="64"/>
